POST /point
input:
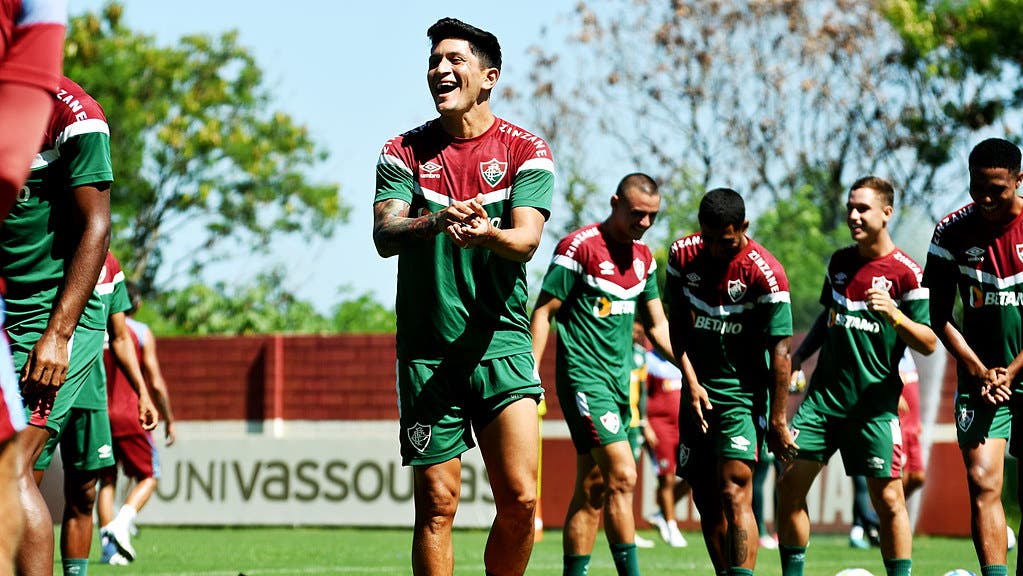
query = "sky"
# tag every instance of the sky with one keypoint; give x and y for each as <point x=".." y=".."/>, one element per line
<point x="354" y="73"/>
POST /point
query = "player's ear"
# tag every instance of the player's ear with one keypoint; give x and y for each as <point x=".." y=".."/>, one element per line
<point x="744" y="227"/>
<point x="490" y="76"/>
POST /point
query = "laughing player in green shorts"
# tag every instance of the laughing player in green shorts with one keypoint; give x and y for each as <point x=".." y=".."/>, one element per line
<point x="874" y="306"/>
<point x="462" y="200"/>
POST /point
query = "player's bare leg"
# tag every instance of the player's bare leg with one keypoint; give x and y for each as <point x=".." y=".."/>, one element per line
<point x="141" y="493"/>
<point x="888" y="500"/>
<point x="79" y="499"/>
<point x="510" y="448"/>
<point x="984" y="467"/>
<point x="912" y="481"/>
<point x="737" y="505"/>
<point x="618" y="468"/>
<point x="437" y="488"/>
<point x="793" y="486"/>
<point x="35" y="553"/>
<point x="706" y="491"/>
<point x="582" y="521"/>
<point x="12" y="521"/>
<point x="105" y="502"/>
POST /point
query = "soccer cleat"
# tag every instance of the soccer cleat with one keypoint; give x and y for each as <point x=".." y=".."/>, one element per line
<point x="642" y="542"/>
<point x="675" y="537"/>
<point x="657" y="519"/>
<point x="107" y="548"/>
<point x="858" y="538"/>
<point x="1010" y="537"/>
<point x="768" y="542"/>
<point x="119" y="535"/>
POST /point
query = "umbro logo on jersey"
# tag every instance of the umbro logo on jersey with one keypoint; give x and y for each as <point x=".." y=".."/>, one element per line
<point x="976" y="254"/>
<point x="881" y="283"/>
<point x="429" y="170"/>
<point x="419" y="436"/>
<point x="606" y="268"/>
<point x="493" y="171"/>
<point x="611" y="422"/>
<point x="736" y="290"/>
<point x="693" y="278"/>
<point x="840" y="278"/>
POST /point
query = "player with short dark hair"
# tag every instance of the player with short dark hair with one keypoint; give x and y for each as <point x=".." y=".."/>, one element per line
<point x="874" y="307"/>
<point x="978" y="251"/>
<point x="600" y="277"/>
<point x="462" y="200"/>
<point x="730" y="313"/>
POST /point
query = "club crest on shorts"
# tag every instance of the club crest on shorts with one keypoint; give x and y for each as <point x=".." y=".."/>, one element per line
<point x="683" y="454"/>
<point x="419" y="436"/>
<point x="881" y="283"/>
<point x="736" y="290"/>
<point x="493" y="171"/>
<point x="965" y="419"/>
<point x="611" y="422"/>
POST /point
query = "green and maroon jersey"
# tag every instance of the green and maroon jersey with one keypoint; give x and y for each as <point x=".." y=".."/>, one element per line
<point x="114" y="294"/>
<point x="599" y="282"/>
<point x="728" y="310"/>
<point x="984" y="262"/>
<point x="451" y="301"/>
<point x="857" y="371"/>
<point x="38" y="237"/>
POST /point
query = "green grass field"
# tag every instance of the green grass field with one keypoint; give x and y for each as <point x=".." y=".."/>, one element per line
<point x="348" y="551"/>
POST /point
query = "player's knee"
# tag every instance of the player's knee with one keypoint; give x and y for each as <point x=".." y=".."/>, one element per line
<point x="518" y="503"/>
<point x="982" y="482"/>
<point x="621" y="479"/>
<point x="437" y="500"/>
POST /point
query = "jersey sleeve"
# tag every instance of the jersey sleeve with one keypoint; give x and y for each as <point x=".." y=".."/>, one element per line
<point x="394" y="175"/>
<point x="650" y="290"/>
<point x="776" y="306"/>
<point x="562" y="274"/>
<point x="534" y="183"/>
<point x="119" y="301"/>
<point x="940" y="266"/>
<point x="86" y="148"/>
<point x="915" y="299"/>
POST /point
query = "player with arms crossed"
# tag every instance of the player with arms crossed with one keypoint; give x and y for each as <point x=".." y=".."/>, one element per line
<point x="731" y="314"/>
<point x="874" y="307"/>
<point x="600" y="276"/>
<point x="978" y="251"/>
<point x="462" y="200"/>
<point x="31" y="55"/>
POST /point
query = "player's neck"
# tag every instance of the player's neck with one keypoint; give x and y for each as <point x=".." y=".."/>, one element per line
<point x="471" y="124"/>
<point x="881" y="245"/>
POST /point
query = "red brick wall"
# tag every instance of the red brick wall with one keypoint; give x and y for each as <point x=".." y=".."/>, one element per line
<point x="349" y="377"/>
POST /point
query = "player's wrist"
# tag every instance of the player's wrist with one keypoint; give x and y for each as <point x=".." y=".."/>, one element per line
<point x="896" y="318"/>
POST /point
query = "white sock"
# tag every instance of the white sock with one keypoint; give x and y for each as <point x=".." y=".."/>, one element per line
<point x="125" y="516"/>
<point x="673" y="523"/>
<point x="856" y="533"/>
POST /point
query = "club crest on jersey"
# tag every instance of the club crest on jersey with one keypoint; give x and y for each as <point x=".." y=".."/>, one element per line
<point x="640" y="268"/>
<point x="493" y="171"/>
<point x="1019" y="252"/>
<point x="736" y="290"/>
<point x="419" y="436"/>
<point x="965" y="419"/>
<point x="881" y="283"/>
<point x="611" y="422"/>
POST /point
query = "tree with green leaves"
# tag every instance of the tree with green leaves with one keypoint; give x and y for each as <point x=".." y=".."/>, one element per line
<point x="195" y="140"/>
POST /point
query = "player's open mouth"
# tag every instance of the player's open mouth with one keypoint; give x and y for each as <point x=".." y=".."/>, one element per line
<point x="445" y="87"/>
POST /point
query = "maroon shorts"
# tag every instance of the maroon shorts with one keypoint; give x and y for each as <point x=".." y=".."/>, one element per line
<point x="137" y="456"/>
<point x="912" y="453"/>
<point x="666" y="452"/>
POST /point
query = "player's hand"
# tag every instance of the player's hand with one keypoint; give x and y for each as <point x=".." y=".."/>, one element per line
<point x="168" y="433"/>
<point x="997" y="386"/>
<point x="650" y="437"/>
<point x="474" y="229"/>
<point x="797" y="384"/>
<point x="781" y="443"/>
<point x="148" y="416"/>
<point x="699" y="403"/>
<point x="881" y="302"/>
<point x="47" y="362"/>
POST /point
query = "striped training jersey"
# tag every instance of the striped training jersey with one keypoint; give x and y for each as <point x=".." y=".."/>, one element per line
<point x="38" y="239"/>
<point x="728" y="310"/>
<point x="984" y="261"/>
<point x="857" y="371"/>
<point x="471" y="303"/>
<point x="599" y="282"/>
<point x="114" y="295"/>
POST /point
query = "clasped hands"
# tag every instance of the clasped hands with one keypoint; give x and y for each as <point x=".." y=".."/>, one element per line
<point x="467" y="223"/>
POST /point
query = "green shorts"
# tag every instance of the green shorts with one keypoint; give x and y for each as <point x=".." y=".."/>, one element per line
<point x="977" y="420"/>
<point x="85" y="443"/>
<point x="49" y="408"/>
<point x="870" y="447"/>
<point x="733" y="433"/>
<point x="636" y="440"/>
<point x="440" y="404"/>
<point x="594" y="419"/>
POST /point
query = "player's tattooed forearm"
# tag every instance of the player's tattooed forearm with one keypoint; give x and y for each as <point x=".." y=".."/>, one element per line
<point x="393" y="228"/>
